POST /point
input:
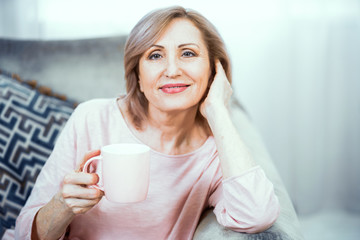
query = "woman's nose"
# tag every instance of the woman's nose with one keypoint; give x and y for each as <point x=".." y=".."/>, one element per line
<point x="172" y="67"/>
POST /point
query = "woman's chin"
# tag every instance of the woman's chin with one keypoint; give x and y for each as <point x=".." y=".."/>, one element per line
<point x="176" y="106"/>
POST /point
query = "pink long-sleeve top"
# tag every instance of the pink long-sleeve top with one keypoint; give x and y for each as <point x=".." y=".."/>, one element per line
<point x="181" y="186"/>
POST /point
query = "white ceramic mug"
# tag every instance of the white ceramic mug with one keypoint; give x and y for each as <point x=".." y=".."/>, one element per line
<point x="124" y="172"/>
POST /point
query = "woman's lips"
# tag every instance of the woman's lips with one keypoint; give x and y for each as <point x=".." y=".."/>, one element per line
<point x="174" y="88"/>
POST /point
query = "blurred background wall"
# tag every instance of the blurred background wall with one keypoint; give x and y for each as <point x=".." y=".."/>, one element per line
<point x="296" y="67"/>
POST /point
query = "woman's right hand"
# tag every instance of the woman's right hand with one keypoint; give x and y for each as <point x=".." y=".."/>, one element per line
<point x="75" y="193"/>
<point x="74" y="197"/>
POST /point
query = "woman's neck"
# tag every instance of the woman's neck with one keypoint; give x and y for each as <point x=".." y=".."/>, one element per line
<point x="170" y="133"/>
<point x="177" y="132"/>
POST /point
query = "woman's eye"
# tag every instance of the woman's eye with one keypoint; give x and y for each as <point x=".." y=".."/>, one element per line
<point x="189" y="54"/>
<point x="155" y="56"/>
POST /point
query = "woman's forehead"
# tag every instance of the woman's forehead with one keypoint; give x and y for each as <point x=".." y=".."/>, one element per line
<point x="180" y="31"/>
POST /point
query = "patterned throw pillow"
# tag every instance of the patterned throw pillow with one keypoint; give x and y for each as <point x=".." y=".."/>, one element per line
<point x="29" y="125"/>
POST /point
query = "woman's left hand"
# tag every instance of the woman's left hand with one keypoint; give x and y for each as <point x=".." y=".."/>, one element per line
<point x="219" y="93"/>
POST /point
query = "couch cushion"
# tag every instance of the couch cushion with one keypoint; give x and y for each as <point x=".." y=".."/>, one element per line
<point x="29" y="125"/>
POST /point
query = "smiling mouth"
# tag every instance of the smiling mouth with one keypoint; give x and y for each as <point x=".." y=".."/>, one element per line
<point x="174" y="88"/>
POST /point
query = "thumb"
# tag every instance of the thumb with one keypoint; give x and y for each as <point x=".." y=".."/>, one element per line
<point x="219" y="67"/>
<point x="87" y="156"/>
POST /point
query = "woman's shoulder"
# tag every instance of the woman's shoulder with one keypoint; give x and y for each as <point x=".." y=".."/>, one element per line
<point x="93" y="109"/>
<point x="95" y="105"/>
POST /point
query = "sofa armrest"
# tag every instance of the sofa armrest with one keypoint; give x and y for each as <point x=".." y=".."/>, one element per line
<point x="209" y="228"/>
<point x="287" y="225"/>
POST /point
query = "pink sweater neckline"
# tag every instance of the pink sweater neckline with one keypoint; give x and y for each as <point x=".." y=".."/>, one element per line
<point x="206" y="145"/>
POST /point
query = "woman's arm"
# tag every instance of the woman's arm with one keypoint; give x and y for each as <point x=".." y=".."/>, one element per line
<point x="244" y="201"/>
<point x="234" y="155"/>
<point x="74" y="198"/>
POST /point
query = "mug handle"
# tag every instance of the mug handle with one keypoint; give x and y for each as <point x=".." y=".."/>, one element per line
<point x="85" y="170"/>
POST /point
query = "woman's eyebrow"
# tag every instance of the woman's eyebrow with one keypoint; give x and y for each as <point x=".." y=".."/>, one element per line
<point x="180" y="46"/>
<point x="156" y="46"/>
<point x="187" y="44"/>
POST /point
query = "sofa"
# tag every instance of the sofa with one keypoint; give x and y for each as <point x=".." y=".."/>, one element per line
<point x="41" y="82"/>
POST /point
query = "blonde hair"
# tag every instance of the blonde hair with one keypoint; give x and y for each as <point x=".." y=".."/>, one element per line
<point x="145" y="33"/>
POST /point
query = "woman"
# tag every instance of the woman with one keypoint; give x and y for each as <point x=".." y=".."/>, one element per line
<point x="178" y="85"/>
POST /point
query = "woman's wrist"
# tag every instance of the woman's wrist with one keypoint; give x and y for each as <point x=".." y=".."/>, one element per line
<point x="216" y="112"/>
<point x="52" y="219"/>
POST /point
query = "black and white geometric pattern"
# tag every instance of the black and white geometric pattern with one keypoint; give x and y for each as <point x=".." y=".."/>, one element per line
<point x="29" y="125"/>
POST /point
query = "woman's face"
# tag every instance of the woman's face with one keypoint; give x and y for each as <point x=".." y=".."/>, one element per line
<point x="175" y="71"/>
